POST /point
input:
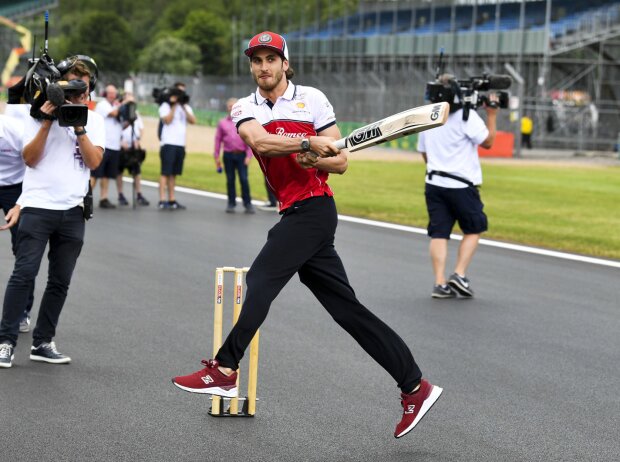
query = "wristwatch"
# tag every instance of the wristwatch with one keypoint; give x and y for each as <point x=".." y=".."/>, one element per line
<point x="305" y="145"/>
<point x="80" y="132"/>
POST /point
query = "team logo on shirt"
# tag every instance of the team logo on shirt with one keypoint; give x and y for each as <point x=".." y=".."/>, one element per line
<point x="280" y="131"/>
<point x="301" y="105"/>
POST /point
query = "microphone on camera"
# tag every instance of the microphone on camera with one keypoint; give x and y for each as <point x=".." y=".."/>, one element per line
<point x="499" y="82"/>
<point x="55" y="94"/>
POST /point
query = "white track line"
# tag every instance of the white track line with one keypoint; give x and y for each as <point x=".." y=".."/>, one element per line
<point x="410" y="229"/>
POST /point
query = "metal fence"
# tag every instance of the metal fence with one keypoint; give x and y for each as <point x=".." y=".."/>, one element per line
<point x="359" y="99"/>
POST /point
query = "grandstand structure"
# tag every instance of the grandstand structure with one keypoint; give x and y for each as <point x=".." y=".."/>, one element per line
<point x="564" y="56"/>
<point x="375" y="58"/>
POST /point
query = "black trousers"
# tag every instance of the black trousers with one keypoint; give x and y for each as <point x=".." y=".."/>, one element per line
<point x="8" y="198"/>
<point x="303" y="242"/>
<point x="64" y="230"/>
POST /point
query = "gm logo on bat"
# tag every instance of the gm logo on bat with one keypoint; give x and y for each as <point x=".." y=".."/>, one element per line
<point x="435" y="112"/>
<point x="369" y="133"/>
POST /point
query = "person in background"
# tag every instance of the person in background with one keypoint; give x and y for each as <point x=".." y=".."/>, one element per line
<point x="527" y="128"/>
<point x="453" y="175"/>
<point x="130" y="144"/>
<point x="12" y="170"/>
<point x="175" y="115"/>
<point x="237" y="157"/>
<point x="108" y="109"/>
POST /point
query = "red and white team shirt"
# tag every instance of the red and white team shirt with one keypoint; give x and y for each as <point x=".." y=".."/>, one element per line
<point x="299" y="112"/>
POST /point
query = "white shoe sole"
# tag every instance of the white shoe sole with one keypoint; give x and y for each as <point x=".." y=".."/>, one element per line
<point x="462" y="290"/>
<point x="7" y="365"/>
<point x="232" y="393"/>
<point x="428" y="403"/>
<point x="443" y="296"/>
<point x="43" y="359"/>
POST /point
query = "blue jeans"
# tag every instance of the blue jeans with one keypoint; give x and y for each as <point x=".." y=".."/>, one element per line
<point x="64" y="230"/>
<point x="232" y="162"/>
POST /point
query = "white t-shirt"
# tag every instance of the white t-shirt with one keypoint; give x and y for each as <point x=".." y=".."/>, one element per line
<point x="17" y="111"/>
<point x="60" y="180"/>
<point x="12" y="166"/>
<point x="174" y="132"/>
<point x="453" y="148"/>
<point x="113" y="128"/>
<point x="127" y="136"/>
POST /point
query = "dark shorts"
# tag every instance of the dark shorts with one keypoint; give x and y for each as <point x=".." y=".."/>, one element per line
<point x="448" y="205"/>
<point x="172" y="158"/>
<point x="109" y="165"/>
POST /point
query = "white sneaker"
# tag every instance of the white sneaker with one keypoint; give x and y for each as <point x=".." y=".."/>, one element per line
<point x="47" y="353"/>
<point x="7" y="353"/>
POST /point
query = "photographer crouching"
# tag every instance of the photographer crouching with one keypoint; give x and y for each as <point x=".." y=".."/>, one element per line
<point x="59" y="155"/>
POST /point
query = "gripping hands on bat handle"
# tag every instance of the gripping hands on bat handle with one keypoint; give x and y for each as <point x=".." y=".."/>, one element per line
<point x="323" y="146"/>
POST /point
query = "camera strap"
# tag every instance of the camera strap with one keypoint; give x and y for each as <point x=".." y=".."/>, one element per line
<point x="449" y="175"/>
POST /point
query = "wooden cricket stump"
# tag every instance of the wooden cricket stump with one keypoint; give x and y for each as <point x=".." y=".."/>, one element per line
<point x="218" y="408"/>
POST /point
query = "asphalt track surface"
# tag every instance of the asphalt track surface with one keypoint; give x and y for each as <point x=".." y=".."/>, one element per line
<point x="529" y="367"/>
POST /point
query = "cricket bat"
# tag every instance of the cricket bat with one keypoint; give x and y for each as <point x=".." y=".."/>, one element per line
<point x="404" y="123"/>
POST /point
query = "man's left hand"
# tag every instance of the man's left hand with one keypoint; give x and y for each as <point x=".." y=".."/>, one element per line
<point x="12" y="217"/>
<point x="307" y="159"/>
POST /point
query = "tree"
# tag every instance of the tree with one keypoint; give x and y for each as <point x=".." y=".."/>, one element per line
<point x="170" y="55"/>
<point x="105" y="37"/>
<point x="212" y="35"/>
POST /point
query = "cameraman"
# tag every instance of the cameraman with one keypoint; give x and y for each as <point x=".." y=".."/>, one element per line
<point x="109" y="168"/>
<point x="452" y="181"/>
<point x="58" y="161"/>
<point x="175" y="114"/>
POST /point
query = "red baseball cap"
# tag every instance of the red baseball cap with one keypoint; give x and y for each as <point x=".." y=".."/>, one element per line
<point x="268" y="40"/>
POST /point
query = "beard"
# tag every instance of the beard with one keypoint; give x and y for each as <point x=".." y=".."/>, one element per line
<point x="265" y="86"/>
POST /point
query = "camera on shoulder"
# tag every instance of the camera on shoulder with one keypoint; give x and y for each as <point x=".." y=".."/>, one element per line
<point x="127" y="112"/>
<point x="43" y="82"/>
<point x="68" y="114"/>
<point x="469" y="93"/>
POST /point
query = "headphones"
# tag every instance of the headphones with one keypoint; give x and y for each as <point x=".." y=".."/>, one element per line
<point x="66" y="64"/>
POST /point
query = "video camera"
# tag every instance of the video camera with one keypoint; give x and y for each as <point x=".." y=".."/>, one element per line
<point x="466" y="94"/>
<point x="43" y="82"/>
<point x="127" y="112"/>
<point x="68" y="115"/>
<point x="162" y="95"/>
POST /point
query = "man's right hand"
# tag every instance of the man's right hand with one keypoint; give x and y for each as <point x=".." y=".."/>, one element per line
<point x="323" y="146"/>
<point x="48" y="108"/>
<point x="492" y="108"/>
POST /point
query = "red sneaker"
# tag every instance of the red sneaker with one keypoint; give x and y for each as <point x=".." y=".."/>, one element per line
<point x="209" y="380"/>
<point x="415" y="406"/>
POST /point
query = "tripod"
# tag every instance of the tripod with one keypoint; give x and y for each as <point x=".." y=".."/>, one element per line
<point x="134" y="157"/>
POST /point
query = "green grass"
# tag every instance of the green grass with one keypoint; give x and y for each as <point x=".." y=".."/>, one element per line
<point x="574" y="209"/>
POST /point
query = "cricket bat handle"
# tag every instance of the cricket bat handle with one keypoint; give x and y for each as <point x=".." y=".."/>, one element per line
<point x="341" y="143"/>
